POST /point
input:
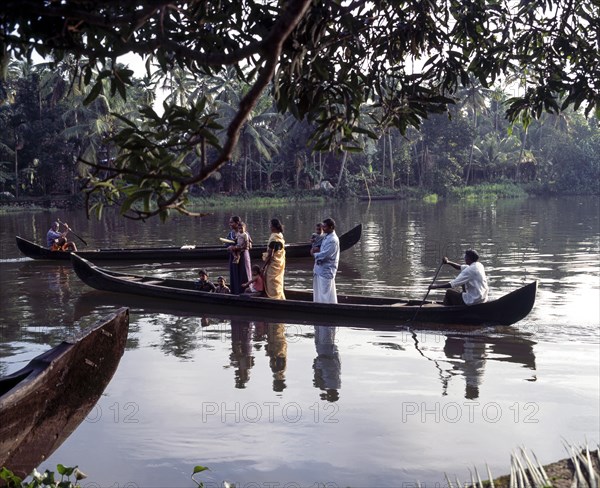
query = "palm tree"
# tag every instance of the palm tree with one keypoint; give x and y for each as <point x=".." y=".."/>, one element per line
<point x="475" y="100"/>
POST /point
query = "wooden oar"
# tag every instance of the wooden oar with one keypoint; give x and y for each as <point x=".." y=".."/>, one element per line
<point x="72" y="232"/>
<point x="428" y="290"/>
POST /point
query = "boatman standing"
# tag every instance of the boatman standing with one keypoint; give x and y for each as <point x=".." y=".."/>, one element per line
<point x="472" y="277"/>
<point x="327" y="257"/>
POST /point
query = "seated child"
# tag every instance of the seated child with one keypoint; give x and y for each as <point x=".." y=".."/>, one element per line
<point x="222" y="286"/>
<point x="255" y="286"/>
<point x="203" y="284"/>
<point x="242" y="239"/>
<point x="317" y="236"/>
<point x="61" y="244"/>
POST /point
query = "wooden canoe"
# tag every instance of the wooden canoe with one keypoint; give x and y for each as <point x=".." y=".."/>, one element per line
<point x="173" y="254"/>
<point x="43" y="403"/>
<point x="350" y="310"/>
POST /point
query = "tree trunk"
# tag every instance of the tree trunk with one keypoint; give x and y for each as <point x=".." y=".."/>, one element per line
<point x="245" y="170"/>
<point x="16" y="174"/>
<point x="320" y="167"/>
<point x="467" y="176"/>
<point x="339" y="181"/>
<point x="299" y="166"/>
<point x="523" y="142"/>
<point x="391" y="160"/>
<point x="383" y="160"/>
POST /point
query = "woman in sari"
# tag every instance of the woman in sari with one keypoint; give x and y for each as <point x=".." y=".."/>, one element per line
<point x="274" y="259"/>
<point x="239" y="272"/>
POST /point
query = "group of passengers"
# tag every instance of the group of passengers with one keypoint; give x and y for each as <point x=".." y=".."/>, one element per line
<point x="268" y="280"/>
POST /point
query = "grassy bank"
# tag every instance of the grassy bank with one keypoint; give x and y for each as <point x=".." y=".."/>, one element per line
<point x="488" y="192"/>
<point x="256" y="200"/>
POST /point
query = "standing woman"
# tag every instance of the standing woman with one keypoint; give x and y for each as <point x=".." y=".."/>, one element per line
<point x="238" y="272"/>
<point x="274" y="259"/>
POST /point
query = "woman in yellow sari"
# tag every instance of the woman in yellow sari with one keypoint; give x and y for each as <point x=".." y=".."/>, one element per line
<point x="274" y="258"/>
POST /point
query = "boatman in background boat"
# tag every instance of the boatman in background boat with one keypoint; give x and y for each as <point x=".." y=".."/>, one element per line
<point x="327" y="257"/>
<point x="473" y="279"/>
<point x="53" y="234"/>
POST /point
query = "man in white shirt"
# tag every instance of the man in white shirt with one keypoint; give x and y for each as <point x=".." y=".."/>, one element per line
<point x="327" y="257"/>
<point x="472" y="277"/>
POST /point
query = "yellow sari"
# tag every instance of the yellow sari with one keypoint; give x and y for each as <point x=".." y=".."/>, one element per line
<point x="274" y="268"/>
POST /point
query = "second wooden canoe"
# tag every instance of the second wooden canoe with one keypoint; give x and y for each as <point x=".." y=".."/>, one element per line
<point x="174" y="254"/>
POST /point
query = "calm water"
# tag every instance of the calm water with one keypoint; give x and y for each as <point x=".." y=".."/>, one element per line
<point x="300" y="405"/>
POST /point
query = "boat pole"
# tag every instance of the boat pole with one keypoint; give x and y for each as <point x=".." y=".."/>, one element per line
<point x="72" y="232"/>
<point x="428" y="290"/>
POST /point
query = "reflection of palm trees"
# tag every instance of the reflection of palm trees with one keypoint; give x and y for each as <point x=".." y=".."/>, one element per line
<point x="241" y="352"/>
<point x="327" y="365"/>
<point x="179" y="338"/>
<point x="277" y="351"/>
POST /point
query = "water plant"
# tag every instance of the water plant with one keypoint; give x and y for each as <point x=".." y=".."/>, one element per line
<point x="580" y="470"/>
<point x="46" y="479"/>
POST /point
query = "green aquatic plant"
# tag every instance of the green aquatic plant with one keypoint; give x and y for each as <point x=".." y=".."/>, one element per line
<point x="46" y="479"/>
<point x="431" y="198"/>
<point x="493" y="191"/>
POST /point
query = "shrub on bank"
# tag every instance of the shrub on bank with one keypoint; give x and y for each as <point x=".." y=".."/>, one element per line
<point x="492" y="191"/>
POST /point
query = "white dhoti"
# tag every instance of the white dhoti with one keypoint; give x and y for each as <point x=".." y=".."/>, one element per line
<point x="324" y="290"/>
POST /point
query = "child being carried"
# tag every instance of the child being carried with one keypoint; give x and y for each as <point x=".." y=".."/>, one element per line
<point x="242" y="240"/>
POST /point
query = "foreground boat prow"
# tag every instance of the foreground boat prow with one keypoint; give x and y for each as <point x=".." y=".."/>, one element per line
<point x="43" y="403"/>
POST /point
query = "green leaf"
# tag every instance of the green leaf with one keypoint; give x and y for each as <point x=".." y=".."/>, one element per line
<point x="199" y="469"/>
<point x="94" y="92"/>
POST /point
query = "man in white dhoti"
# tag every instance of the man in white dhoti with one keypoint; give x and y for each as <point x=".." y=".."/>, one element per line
<point x="327" y="257"/>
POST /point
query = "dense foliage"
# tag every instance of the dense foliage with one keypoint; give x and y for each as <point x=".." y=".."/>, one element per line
<point x="352" y="72"/>
<point x="47" y="131"/>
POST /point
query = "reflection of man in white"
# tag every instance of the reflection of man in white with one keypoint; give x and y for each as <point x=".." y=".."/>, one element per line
<point x="327" y="257"/>
<point x="327" y="364"/>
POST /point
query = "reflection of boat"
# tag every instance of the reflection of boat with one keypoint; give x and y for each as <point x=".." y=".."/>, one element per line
<point x="350" y="309"/>
<point x="467" y="354"/>
<point x="42" y="403"/>
<point x="166" y="254"/>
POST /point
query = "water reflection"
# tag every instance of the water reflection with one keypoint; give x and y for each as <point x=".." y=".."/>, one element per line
<point x="466" y="355"/>
<point x="276" y="349"/>
<point x="241" y="352"/>
<point x="467" y="358"/>
<point x="327" y="365"/>
<point x="180" y="336"/>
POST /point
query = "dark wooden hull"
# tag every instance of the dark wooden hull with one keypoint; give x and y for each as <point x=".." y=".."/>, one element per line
<point x="350" y="310"/>
<point x="43" y="403"/>
<point x="173" y="254"/>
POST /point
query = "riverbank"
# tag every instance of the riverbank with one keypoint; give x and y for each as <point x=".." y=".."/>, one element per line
<point x="578" y="471"/>
<point x="283" y="197"/>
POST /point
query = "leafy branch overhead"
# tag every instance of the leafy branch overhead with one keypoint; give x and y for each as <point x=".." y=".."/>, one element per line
<point x="323" y="61"/>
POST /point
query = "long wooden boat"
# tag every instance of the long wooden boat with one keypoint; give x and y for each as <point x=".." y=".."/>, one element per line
<point x="43" y="403"/>
<point x="349" y="310"/>
<point x="172" y="254"/>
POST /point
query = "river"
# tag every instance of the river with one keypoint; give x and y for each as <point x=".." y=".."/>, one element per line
<point x="285" y="404"/>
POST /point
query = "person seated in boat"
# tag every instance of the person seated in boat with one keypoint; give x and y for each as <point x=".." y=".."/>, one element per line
<point x="54" y="233"/>
<point x="472" y="278"/>
<point x="242" y="242"/>
<point x="255" y="286"/>
<point x="222" y="286"/>
<point x="317" y="237"/>
<point x="203" y="283"/>
<point x="61" y="244"/>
